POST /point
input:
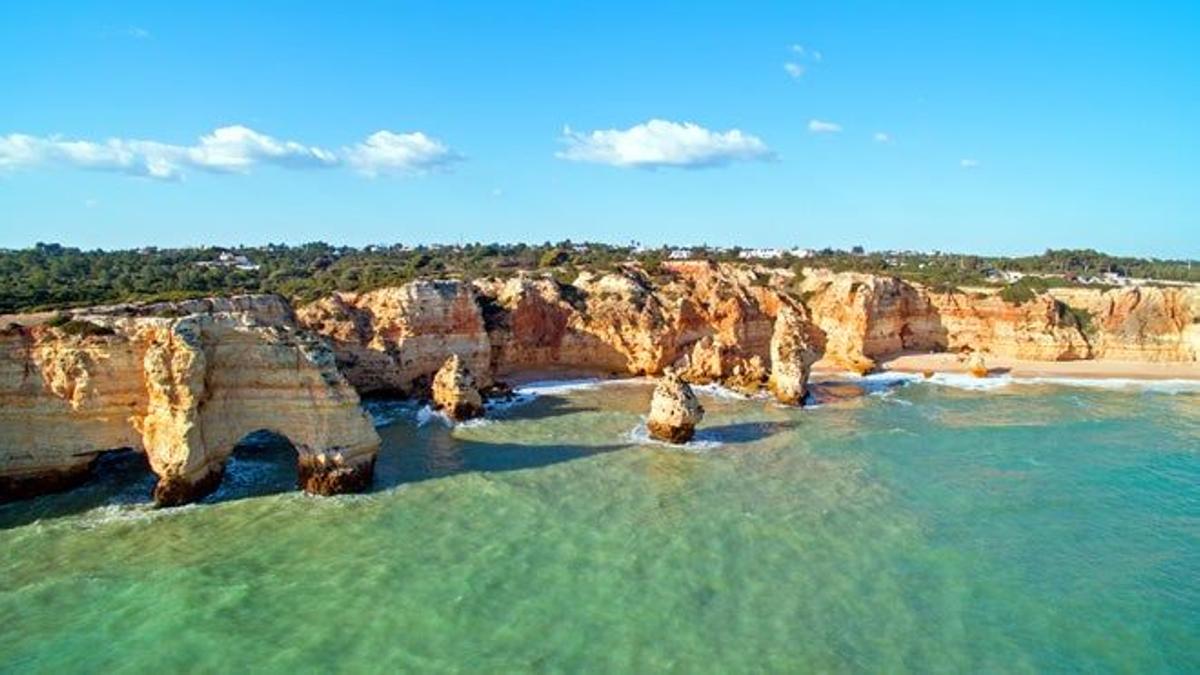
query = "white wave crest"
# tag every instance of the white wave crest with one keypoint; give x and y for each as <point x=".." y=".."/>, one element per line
<point x="701" y="441"/>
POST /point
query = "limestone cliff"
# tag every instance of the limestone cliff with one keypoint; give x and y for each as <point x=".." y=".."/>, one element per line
<point x="393" y="340"/>
<point x="1038" y="330"/>
<point x="866" y="316"/>
<point x="713" y="322"/>
<point x="183" y="390"/>
<point x="1143" y="323"/>
<point x="184" y="382"/>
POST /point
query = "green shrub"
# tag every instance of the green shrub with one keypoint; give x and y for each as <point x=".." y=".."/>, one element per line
<point x="1024" y="290"/>
<point x="82" y="328"/>
<point x="1077" y="317"/>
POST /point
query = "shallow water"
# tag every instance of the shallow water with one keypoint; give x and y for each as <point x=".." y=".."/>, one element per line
<point x="923" y="527"/>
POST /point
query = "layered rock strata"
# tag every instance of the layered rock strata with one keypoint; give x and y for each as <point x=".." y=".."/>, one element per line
<point x="712" y="322"/>
<point x="393" y="340"/>
<point x="183" y="382"/>
<point x="184" y="391"/>
<point x="674" y="410"/>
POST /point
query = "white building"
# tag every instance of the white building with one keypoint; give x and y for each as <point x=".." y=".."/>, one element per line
<point x="760" y="254"/>
<point x="227" y="259"/>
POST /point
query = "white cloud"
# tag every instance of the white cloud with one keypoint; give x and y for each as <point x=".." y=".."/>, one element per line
<point x="389" y="152"/>
<point x="805" y="52"/>
<point x="969" y="163"/>
<point x="819" y="127"/>
<point x="882" y="137"/>
<point x="661" y="143"/>
<point x="794" y="69"/>
<point x="137" y="32"/>
<point x="231" y="149"/>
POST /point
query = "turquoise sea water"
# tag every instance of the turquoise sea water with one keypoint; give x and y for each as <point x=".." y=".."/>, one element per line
<point x="1028" y="527"/>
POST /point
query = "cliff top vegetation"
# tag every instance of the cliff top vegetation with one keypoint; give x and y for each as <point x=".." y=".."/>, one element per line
<point x="52" y="276"/>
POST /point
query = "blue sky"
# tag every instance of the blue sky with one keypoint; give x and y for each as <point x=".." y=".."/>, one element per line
<point x="1005" y="129"/>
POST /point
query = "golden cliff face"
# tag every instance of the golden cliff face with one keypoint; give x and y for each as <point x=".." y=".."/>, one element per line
<point x="185" y="382"/>
<point x="395" y="339"/>
<point x="182" y="390"/>
<point x="1141" y="323"/>
<point x="866" y="316"/>
<point x="711" y="322"/>
<point x="1038" y="330"/>
<point x="714" y="322"/>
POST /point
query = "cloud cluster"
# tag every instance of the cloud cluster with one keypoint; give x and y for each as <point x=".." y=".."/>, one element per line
<point x="795" y="68"/>
<point x="389" y="152"/>
<point x="662" y="143"/>
<point x="232" y="149"/>
<point x="820" y="127"/>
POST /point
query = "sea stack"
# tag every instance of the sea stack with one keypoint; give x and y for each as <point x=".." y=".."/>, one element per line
<point x="976" y="365"/>
<point x="674" y="410"/>
<point x="794" y="350"/>
<point x="455" y="392"/>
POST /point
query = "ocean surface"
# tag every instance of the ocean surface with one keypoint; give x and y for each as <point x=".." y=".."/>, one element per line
<point x="940" y="526"/>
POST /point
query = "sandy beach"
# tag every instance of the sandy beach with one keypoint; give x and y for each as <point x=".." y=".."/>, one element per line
<point x="950" y="363"/>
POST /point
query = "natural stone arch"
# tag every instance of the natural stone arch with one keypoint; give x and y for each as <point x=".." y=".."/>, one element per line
<point x="184" y="391"/>
<point x="210" y="393"/>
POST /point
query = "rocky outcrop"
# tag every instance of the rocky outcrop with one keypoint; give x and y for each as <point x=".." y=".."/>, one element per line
<point x="712" y="322"/>
<point x="455" y="392"/>
<point x="674" y="410"/>
<point x="183" y="390"/>
<point x="868" y="317"/>
<point x="976" y="365"/>
<point x="865" y="317"/>
<point x="795" y="347"/>
<point x="1041" y="329"/>
<point x="1144" y="323"/>
<point x="393" y="340"/>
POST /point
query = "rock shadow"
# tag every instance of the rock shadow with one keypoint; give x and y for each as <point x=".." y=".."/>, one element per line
<point x="442" y="455"/>
<point x="118" y="477"/>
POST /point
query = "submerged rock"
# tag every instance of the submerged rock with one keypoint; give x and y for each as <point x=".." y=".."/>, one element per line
<point x="795" y="347"/>
<point x="674" y="410"/>
<point x="455" y="392"/>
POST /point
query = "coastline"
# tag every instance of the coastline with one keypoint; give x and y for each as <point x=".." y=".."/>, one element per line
<point x="1083" y="369"/>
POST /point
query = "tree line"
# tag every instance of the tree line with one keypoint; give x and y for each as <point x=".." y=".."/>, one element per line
<point x="53" y="276"/>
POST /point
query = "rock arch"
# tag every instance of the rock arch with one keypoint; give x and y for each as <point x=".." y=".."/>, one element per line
<point x="183" y="391"/>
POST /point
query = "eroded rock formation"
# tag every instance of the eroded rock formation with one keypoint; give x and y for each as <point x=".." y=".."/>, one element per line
<point x="184" y="382"/>
<point x="1146" y="323"/>
<point x="795" y="347"/>
<point x="393" y="340"/>
<point x="455" y="392"/>
<point x="183" y="390"/>
<point x="712" y="322"/>
<point x="674" y="410"/>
